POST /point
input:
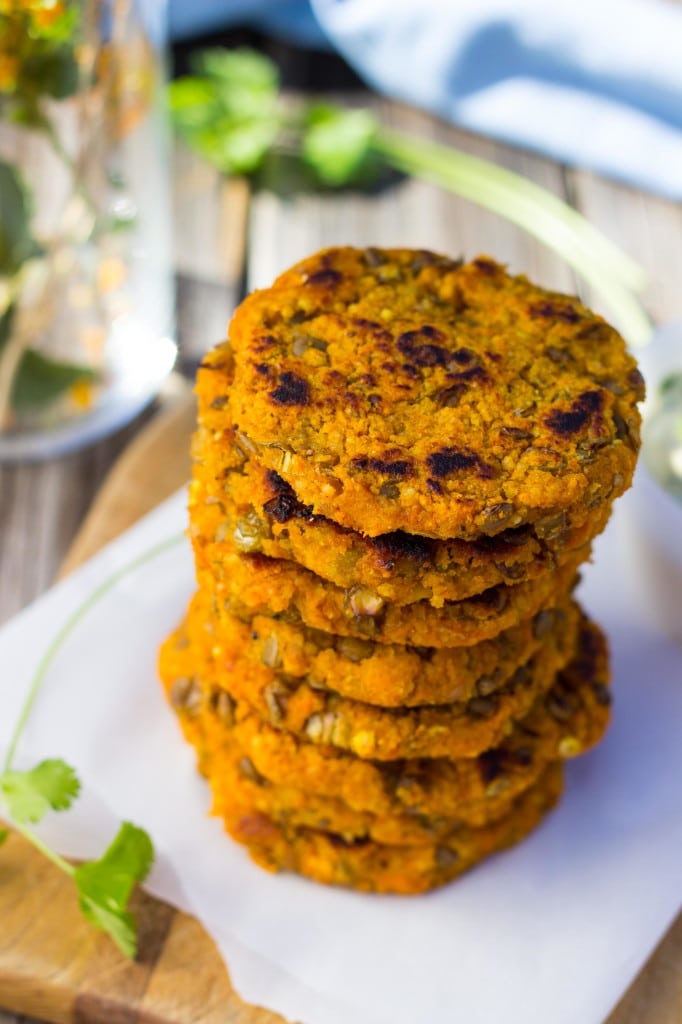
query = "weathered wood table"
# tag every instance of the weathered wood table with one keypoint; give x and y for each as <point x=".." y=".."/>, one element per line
<point x="230" y="237"/>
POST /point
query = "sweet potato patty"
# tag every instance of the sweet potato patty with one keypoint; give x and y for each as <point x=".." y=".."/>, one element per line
<point x="396" y="389"/>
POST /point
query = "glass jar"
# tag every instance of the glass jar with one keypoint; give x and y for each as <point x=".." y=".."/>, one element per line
<point x="86" y="287"/>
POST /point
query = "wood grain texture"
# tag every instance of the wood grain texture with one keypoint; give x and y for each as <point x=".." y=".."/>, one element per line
<point x="53" y="965"/>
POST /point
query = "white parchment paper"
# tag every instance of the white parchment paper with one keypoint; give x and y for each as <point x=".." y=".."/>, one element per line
<point x="552" y="931"/>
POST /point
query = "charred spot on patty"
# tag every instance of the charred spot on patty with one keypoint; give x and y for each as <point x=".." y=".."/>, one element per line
<point x="570" y="421"/>
<point x="598" y="330"/>
<point x="492" y="764"/>
<point x="380" y="335"/>
<point x="292" y="390"/>
<point x="391" y="547"/>
<point x="555" y="311"/>
<point x="325" y="278"/>
<point x="636" y="381"/>
<point x="285" y="505"/>
<point x="420" y="346"/>
<point x="366" y="325"/>
<point x="487" y="267"/>
<point x="387" y="466"/>
<point x="464" y="376"/>
<point x="463" y="356"/>
<point x="500" y="543"/>
<point x="448" y="460"/>
<point x="263" y="343"/>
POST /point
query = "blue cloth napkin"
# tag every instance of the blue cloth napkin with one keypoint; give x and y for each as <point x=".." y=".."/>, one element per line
<point x="592" y="83"/>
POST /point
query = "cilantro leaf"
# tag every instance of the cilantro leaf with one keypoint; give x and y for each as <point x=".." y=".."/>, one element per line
<point x="337" y="142"/>
<point x="118" y="924"/>
<point x="51" y="785"/>
<point x="229" y="112"/>
<point x="246" y="82"/>
<point x="193" y="103"/>
<point x="106" y="885"/>
<point x="236" y="147"/>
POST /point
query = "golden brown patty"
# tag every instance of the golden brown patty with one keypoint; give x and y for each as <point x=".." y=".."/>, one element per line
<point x="397" y="389"/>
<point x="288" y="829"/>
<point x="211" y="732"/>
<point x="257" y="585"/>
<point x="376" y="867"/>
<point x="233" y="495"/>
<point x="259" y="512"/>
<point x="572" y="718"/>
<point x="389" y="675"/>
<point x="463" y="729"/>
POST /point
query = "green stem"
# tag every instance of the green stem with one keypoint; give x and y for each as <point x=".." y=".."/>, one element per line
<point x="32" y="838"/>
<point x="66" y="631"/>
<point x="608" y="270"/>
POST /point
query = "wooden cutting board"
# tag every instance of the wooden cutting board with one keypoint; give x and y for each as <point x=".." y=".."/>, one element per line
<point x="56" y="967"/>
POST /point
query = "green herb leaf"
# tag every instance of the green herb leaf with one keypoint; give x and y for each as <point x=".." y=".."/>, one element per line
<point x="193" y="103"/>
<point x="4" y="834"/>
<point x="349" y="147"/>
<point x="229" y="116"/>
<point x="51" y="785"/>
<point x="338" y="142"/>
<point x="40" y="380"/>
<point x="236" y="148"/>
<point x="106" y="885"/>
<point x="16" y="244"/>
<point x="245" y="81"/>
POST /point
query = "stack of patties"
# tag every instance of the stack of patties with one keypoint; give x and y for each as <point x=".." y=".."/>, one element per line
<point x="399" y="466"/>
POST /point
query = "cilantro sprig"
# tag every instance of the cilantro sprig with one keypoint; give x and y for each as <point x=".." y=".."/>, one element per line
<point x="232" y="113"/>
<point x="104" y="886"/>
